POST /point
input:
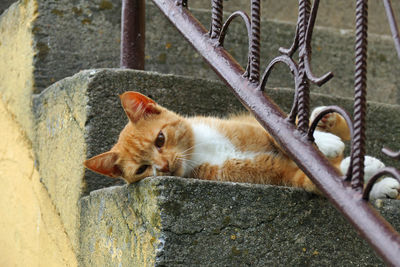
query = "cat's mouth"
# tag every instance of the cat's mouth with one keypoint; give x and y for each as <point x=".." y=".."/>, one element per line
<point x="171" y="173"/>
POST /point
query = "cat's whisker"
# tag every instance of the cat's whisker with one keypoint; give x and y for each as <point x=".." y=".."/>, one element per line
<point x="193" y="153"/>
<point x="188" y="160"/>
<point x="154" y="170"/>
<point x="196" y="145"/>
<point x="191" y="164"/>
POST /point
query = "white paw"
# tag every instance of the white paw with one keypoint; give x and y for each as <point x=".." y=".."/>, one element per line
<point x="329" y="144"/>
<point x="371" y="166"/>
<point x="344" y="165"/>
<point x="385" y="188"/>
<point x="327" y="122"/>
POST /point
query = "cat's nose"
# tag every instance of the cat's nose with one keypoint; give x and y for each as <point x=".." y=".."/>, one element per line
<point x="165" y="168"/>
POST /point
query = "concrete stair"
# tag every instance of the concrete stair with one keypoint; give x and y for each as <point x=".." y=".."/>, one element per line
<point x="67" y="117"/>
<point x="172" y="221"/>
<point x="5" y="4"/>
<point x="166" y="221"/>
<point x="86" y="35"/>
<point x="339" y="14"/>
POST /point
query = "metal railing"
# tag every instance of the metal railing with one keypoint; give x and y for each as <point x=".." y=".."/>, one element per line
<point x="347" y="192"/>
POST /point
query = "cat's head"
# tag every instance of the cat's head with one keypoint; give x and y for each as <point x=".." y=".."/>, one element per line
<point x="154" y="142"/>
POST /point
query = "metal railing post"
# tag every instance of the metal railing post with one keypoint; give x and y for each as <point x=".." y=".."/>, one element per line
<point x="133" y="34"/>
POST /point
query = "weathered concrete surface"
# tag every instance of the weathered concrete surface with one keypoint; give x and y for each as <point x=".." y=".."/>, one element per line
<point x="92" y="29"/>
<point x="132" y="238"/>
<point x="81" y="116"/>
<point x="60" y="147"/>
<point x="338" y="14"/>
<point x="219" y="224"/>
<point x="16" y="61"/>
<point x="332" y="51"/>
<point x="4" y="4"/>
<point x="74" y="35"/>
<point x="31" y="231"/>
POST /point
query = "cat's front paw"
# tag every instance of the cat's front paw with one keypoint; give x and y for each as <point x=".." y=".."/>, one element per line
<point x="330" y="145"/>
<point x="371" y="166"/>
<point x="385" y="188"/>
<point x="327" y="122"/>
<point x="332" y="123"/>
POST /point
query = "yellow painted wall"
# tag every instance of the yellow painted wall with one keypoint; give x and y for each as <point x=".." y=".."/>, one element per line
<point x="31" y="231"/>
<point x="16" y="60"/>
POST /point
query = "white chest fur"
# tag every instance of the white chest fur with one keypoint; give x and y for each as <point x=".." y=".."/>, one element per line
<point x="210" y="146"/>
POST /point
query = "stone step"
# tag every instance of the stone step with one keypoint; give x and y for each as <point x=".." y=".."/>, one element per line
<point x="4" y="4"/>
<point x="338" y="14"/>
<point x="80" y="116"/>
<point x="167" y="221"/>
<point x="45" y="41"/>
<point x="333" y="50"/>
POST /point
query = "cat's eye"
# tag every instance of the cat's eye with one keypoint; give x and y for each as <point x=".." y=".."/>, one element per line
<point x="160" y="140"/>
<point x="141" y="169"/>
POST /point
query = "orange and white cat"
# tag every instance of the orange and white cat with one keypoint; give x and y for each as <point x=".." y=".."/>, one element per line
<point x="157" y="141"/>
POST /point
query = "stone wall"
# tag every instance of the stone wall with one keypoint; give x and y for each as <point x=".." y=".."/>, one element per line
<point x="31" y="231"/>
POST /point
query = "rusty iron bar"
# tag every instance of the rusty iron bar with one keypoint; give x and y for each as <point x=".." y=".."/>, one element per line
<point x="132" y="34"/>
<point x="393" y="25"/>
<point x="360" y="101"/>
<point x="255" y="41"/>
<point x="371" y="226"/>
<point x="216" y="18"/>
<point x="303" y="89"/>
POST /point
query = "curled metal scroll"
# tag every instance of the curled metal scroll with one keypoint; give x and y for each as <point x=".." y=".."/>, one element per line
<point x="303" y="75"/>
<point x="235" y="14"/>
<point x="307" y="56"/>
<point x="391" y="154"/>
<point x="224" y="30"/>
<point x="325" y="111"/>
<point x="347" y="118"/>
<point x="393" y="25"/>
<point x="392" y="172"/>
<point x="294" y="69"/>
<point x="253" y="31"/>
<point x="290" y="51"/>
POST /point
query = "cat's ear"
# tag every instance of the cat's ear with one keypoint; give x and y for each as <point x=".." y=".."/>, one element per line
<point x="104" y="164"/>
<point x="137" y="106"/>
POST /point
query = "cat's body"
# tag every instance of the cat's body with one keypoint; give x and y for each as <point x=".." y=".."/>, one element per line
<point x="157" y="141"/>
<point x="238" y="149"/>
